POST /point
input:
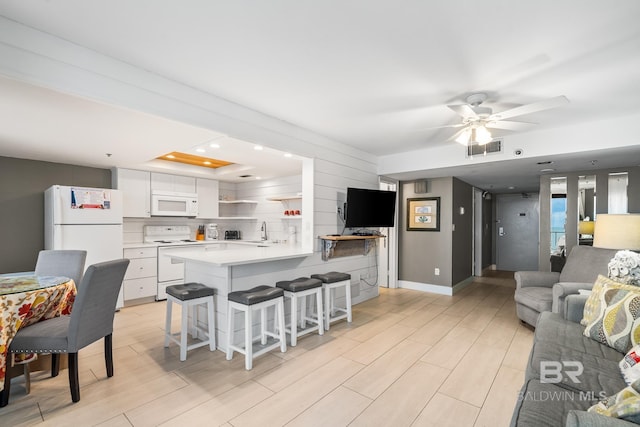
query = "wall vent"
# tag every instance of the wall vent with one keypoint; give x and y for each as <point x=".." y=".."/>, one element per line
<point x="492" y="147"/>
<point x="420" y="187"/>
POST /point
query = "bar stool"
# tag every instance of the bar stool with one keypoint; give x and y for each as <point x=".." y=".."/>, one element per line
<point x="190" y="296"/>
<point x="302" y="287"/>
<point x="258" y="298"/>
<point x="330" y="282"/>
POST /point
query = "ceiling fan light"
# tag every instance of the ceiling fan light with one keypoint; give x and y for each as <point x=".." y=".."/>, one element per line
<point x="483" y="136"/>
<point x="464" y="137"/>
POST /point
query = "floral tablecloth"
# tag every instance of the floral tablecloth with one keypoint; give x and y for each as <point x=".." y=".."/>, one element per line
<point x="25" y="300"/>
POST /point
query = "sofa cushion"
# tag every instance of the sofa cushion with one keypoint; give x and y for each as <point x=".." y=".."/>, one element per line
<point x="595" y="303"/>
<point x="543" y="404"/>
<point x="624" y="405"/>
<point x="537" y="298"/>
<point x="558" y="340"/>
<point x="617" y="314"/>
<point x="585" y="263"/>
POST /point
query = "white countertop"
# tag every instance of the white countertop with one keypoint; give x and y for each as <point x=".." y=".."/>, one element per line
<point x="242" y="254"/>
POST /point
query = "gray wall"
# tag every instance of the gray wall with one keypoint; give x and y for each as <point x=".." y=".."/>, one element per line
<point x="22" y="185"/>
<point x="462" y="235"/>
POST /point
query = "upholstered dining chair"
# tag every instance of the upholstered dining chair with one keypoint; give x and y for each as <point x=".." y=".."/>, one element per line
<point x="91" y="319"/>
<point x="58" y="262"/>
<point x="61" y="262"/>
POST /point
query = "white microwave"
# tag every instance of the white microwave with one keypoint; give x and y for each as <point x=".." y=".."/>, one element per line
<point x="165" y="203"/>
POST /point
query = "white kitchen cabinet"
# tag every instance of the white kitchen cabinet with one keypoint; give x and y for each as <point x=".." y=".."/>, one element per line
<point x="136" y="191"/>
<point x="208" y="191"/>
<point x="173" y="183"/>
<point x="141" y="279"/>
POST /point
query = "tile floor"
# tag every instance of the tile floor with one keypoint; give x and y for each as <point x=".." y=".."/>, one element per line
<point x="408" y="359"/>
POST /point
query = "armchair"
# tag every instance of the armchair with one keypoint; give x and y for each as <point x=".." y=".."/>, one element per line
<point x="538" y="291"/>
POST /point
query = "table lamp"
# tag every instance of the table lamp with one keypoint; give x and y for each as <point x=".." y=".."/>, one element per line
<point x="586" y="227"/>
<point x="617" y="231"/>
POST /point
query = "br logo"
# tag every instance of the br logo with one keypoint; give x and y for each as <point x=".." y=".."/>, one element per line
<point x="553" y="372"/>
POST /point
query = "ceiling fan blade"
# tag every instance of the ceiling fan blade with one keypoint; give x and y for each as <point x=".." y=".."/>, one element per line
<point x="457" y="134"/>
<point x="510" y="125"/>
<point x="546" y="104"/>
<point x="464" y="110"/>
<point x="458" y="125"/>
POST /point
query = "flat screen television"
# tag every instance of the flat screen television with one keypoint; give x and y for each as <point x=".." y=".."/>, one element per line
<point x="370" y="208"/>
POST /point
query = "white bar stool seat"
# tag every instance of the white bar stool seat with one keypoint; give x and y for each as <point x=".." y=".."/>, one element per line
<point x="330" y="282"/>
<point x="190" y="296"/>
<point x="303" y="287"/>
<point x="258" y="298"/>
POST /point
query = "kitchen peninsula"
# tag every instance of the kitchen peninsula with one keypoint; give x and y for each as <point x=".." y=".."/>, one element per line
<point x="233" y="266"/>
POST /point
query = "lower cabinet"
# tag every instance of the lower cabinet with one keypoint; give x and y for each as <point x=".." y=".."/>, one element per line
<point x="141" y="280"/>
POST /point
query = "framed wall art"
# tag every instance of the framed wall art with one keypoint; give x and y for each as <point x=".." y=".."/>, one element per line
<point x="423" y="214"/>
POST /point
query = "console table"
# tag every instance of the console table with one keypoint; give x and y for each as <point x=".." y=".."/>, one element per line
<point x="340" y="246"/>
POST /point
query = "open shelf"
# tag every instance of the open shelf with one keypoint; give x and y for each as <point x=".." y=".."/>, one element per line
<point x="284" y="198"/>
<point x="341" y="246"/>
<point x="230" y="202"/>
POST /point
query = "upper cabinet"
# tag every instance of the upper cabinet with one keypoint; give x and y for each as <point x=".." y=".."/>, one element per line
<point x="136" y="191"/>
<point x="173" y="183"/>
<point x="208" y="191"/>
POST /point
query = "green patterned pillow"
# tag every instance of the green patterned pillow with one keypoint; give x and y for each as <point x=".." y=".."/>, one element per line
<point x="612" y="314"/>
<point x="593" y="305"/>
<point x="624" y="405"/>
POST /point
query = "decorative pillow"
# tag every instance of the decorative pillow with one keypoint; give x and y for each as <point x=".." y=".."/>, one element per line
<point x="624" y="405"/>
<point x="612" y="314"/>
<point x="630" y="365"/>
<point x="624" y="267"/>
<point x="594" y="304"/>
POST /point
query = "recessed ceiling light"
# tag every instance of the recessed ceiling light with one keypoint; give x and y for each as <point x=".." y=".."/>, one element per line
<point x="258" y="147"/>
<point x="548" y="162"/>
<point x="200" y="150"/>
<point x="288" y="155"/>
<point x="257" y="177"/>
<point x="214" y="145"/>
<point x="547" y="170"/>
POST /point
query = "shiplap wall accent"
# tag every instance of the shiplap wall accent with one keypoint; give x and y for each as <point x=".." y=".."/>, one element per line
<point x="42" y="59"/>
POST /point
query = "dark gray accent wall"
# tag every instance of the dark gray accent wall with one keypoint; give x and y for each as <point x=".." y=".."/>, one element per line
<point x="462" y="234"/>
<point x="421" y="252"/>
<point x="22" y="185"/>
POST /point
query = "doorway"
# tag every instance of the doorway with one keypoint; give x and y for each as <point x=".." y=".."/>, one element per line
<point x="387" y="248"/>
<point x="517" y="231"/>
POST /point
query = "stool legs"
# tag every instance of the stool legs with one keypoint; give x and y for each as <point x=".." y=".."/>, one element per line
<point x="248" y="351"/>
<point x="248" y="341"/>
<point x="330" y="306"/>
<point x="190" y="324"/>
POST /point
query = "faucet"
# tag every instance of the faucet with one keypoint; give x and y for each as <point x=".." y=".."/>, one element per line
<point x="263" y="230"/>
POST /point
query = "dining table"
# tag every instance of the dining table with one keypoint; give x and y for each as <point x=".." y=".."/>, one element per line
<point x="24" y="300"/>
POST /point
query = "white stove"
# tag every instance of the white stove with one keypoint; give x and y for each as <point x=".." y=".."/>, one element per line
<point x="170" y="238"/>
<point x="168" y="234"/>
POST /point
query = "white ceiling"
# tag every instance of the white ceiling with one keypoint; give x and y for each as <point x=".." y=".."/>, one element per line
<point x="373" y="74"/>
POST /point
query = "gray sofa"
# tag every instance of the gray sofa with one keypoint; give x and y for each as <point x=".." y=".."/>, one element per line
<point x="559" y="338"/>
<point x="539" y="291"/>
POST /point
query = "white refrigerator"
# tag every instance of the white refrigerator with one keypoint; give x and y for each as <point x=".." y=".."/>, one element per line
<point x="84" y="218"/>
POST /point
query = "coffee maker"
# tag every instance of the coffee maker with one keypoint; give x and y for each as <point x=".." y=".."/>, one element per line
<point x="211" y="232"/>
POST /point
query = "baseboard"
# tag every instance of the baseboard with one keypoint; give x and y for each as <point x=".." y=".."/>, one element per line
<point x="426" y="287"/>
<point x="461" y="285"/>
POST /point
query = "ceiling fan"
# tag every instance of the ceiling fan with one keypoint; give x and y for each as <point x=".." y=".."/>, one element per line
<point x="477" y="120"/>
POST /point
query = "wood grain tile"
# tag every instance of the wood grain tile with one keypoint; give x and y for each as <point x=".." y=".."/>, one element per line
<point x="338" y="408"/>
<point x="445" y="411"/>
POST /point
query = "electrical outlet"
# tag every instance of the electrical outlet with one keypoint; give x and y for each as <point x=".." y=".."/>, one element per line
<point x="437" y="271"/>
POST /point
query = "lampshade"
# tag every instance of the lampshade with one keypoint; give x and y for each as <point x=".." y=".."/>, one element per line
<point x="617" y="231"/>
<point x="483" y="136"/>
<point x="479" y="134"/>
<point x="586" y="227"/>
